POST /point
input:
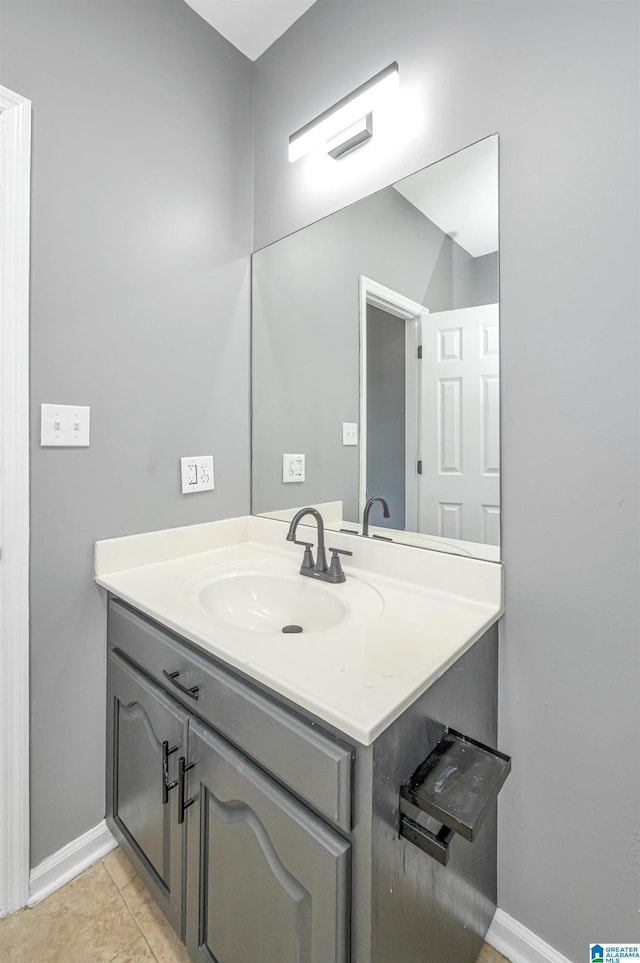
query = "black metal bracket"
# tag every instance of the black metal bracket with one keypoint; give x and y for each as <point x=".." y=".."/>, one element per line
<point x="457" y="784"/>
<point x="433" y="844"/>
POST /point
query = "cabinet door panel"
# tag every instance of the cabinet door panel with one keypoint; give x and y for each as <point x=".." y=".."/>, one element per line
<point x="268" y="881"/>
<point x="141" y="718"/>
<point x="279" y="921"/>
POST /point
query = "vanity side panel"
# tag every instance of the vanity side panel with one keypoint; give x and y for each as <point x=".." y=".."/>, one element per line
<point x="362" y="857"/>
<point x="424" y="912"/>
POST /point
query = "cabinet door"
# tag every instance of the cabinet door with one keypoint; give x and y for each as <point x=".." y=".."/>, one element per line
<point x="267" y="880"/>
<point x="144" y="725"/>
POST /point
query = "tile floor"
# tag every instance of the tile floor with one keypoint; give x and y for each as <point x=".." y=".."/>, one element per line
<point x="104" y="916"/>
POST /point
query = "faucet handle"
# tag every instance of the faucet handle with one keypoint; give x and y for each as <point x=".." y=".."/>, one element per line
<point x="307" y="561"/>
<point x="335" y="573"/>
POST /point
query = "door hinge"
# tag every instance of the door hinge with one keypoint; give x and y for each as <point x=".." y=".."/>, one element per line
<point x="420" y="466"/>
<point x="419" y="352"/>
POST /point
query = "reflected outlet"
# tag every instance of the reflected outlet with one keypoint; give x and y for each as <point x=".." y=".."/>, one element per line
<point x="292" y="468"/>
<point x="349" y="433"/>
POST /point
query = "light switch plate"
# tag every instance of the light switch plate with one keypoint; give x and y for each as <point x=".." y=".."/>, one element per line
<point x="64" y="426"/>
<point x="292" y="468"/>
<point x="349" y="433"/>
<point x="196" y="472"/>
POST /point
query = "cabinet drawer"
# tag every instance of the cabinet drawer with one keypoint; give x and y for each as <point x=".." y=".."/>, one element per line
<point x="315" y="766"/>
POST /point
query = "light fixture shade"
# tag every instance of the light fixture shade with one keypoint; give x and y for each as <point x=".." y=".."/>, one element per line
<point x="355" y="135"/>
<point x="349" y="112"/>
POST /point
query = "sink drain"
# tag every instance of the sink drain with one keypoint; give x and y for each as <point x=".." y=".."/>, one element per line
<point x="291" y="628"/>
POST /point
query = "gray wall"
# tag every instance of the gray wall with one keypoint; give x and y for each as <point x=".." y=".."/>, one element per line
<point x="559" y="82"/>
<point x="141" y="231"/>
<point x="306" y="361"/>
<point x="487" y="281"/>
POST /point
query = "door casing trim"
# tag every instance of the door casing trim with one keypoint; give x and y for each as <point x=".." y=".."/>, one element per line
<point x="15" y="174"/>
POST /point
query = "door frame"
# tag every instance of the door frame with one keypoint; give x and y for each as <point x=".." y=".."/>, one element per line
<point x="412" y="313"/>
<point x="15" y="179"/>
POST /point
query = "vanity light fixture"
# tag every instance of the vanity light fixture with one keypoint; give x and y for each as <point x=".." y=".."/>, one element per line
<point x="349" y="123"/>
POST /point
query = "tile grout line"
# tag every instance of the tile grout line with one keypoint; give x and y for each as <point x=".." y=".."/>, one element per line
<point x="135" y="920"/>
<point x="131" y="913"/>
<point x="494" y="955"/>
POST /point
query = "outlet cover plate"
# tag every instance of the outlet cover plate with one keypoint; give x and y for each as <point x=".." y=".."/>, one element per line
<point x="196" y="472"/>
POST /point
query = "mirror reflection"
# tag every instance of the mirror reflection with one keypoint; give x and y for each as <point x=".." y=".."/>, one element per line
<point x="376" y="363"/>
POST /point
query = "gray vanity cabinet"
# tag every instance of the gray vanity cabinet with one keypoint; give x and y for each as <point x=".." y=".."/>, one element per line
<point x="243" y="868"/>
<point x="148" y="732"/>
<point x="267" y="880"/>
<point x="268" y="838"/>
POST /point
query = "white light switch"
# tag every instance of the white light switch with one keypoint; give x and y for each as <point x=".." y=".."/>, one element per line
<point x="196" y="472"/>
<point x="64" y="426"/>
<point x="349" y="433"/>
<point x="292" y="468"/>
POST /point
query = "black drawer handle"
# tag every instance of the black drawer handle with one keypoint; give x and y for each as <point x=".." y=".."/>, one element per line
<point x="183" y="767"/>
<point x="166" y="785"/>
<point x="173" y="677"/>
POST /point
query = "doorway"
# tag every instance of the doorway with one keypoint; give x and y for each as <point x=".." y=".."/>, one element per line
<point x="390" y="336"/>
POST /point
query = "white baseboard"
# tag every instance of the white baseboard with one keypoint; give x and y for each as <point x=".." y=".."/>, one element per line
<point x="519" y="944"/>
<point x="505" y="934"/>
<point x="69" y="862"/>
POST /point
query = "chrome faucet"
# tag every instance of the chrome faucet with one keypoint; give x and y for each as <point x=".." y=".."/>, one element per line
<point x="318" y="569"/>
<point x="367" y="509"/>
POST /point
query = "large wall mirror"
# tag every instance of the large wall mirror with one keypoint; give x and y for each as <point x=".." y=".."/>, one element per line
<point x="375" y="369"/>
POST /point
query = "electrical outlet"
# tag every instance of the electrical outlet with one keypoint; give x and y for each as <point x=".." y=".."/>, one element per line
<point x="349" y="433"/>
<point x="197" y="473"/>
<point x="292" y="468"/>
<point x="65" y="426"/>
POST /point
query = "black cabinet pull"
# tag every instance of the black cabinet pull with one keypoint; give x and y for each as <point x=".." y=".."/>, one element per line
<point x="173" y="677"/>
<point x="166" y="785"/>
<point x="183" y="767"/>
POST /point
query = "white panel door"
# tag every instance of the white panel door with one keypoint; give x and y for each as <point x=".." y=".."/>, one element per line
<point x="459" y="488"/>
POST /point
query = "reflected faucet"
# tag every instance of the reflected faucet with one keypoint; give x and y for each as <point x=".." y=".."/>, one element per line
<point x="367" y="509"/>
<point x="318" y="569"/>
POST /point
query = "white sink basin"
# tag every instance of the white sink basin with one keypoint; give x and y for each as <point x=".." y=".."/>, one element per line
<point x="272" y="598"/>
<point x="268" y="603"/>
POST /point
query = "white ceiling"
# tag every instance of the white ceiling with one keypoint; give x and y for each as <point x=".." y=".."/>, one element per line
<point x="251" y="25"/>
<point x="460" y="195"/>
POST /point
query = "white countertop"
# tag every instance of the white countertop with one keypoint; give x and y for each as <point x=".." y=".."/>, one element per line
<point x="358" y="676"/>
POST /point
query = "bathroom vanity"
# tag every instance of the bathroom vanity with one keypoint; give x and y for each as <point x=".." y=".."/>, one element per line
<point x="262" y="782"/>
